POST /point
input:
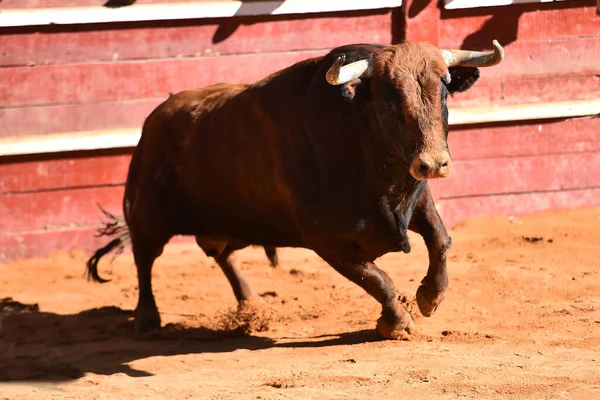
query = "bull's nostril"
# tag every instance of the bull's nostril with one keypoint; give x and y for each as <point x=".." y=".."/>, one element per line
<point x="444" y="164"/>
<point x="424" y="168"/>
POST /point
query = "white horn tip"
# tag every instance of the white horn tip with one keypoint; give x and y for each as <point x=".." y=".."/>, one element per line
<point x="498" y="50"/>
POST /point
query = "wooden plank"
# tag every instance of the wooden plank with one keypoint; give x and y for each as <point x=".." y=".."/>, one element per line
<point x="494" y="176"/>
<point x="20" y="245"/>
<point x="520" y="91"/>
<point x="37" y="210"/>
<point x="58" y="208"/>
<point x="81" y="83"/>
<point x="519" y="112"/>
<point x="44" y="120"/>
<point x="181" y="11"/>
<point x="64" y="173"/>
<point x="36" y="244"/>
<point x="53" y="45"/>
<point x="93" y="140"/>
<point x="84" y="83"/>
<point x="561" y="138"/>
<point x="458" y="209"/>
<point x="525" y="139"/>
<point x="472" y="143"/>
<point x="572" y="19"/>
<point x="74" y="141"/>
<point x="469" y="177"/>
<point x="546" y="90"/>
<point x="457" y="4"/>
<point x="30" y="4"/>
<point x="486" y="92"/>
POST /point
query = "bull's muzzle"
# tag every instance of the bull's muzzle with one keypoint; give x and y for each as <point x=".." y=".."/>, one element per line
<point x="431" y="166"/>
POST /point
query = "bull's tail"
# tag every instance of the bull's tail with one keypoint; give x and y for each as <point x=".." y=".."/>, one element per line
<point x="113" y="227"/>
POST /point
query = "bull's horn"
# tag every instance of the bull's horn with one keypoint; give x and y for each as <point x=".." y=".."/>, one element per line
<point x="338" y="74"/>
<point x="467" y="58"/>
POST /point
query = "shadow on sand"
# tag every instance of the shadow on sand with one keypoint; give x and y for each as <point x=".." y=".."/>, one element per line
<point x="42" y="346"/>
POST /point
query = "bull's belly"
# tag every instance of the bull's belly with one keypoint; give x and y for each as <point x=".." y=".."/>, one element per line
<point x="263" y="231"/>
<point x="266" y="219"/>
<point x="250" y="229"/>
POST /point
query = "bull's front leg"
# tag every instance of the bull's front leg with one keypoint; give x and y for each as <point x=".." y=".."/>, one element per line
<point x="395" y="321"/>
<point x="427" y="222"/>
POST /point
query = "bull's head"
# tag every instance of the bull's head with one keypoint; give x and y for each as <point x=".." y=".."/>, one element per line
<point x="409" y="83"/>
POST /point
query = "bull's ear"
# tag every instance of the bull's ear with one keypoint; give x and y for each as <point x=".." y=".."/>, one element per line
<point x="355" y="90"/>
<point x="462" y="78"/>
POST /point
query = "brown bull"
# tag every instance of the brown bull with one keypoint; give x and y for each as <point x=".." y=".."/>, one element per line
<point x="331" y="154"/>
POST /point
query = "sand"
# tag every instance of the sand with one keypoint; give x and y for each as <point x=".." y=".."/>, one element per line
<point x="521" y="319"/>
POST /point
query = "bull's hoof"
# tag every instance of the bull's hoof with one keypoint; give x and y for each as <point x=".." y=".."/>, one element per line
<point x="427" y="300"/>
<point x="250" y="297"/>
<point x="251" y="302"/>
<point x="398" y="331"/>
<point x="145" y="323"/>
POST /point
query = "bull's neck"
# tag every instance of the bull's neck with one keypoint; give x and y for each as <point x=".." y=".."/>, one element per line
<point x="387" y="158"/>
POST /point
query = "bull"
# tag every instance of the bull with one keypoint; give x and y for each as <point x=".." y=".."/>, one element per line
<point x="331" y="154"/>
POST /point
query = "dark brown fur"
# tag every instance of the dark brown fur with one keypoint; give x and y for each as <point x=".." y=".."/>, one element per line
<point x="116" y="226"/>
<point x="293" y="161"/>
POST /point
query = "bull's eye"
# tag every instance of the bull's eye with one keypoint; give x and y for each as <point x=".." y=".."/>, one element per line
<point x="389" y="105"/>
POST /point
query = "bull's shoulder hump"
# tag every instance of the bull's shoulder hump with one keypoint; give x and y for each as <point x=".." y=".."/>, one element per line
<point x="358" y="48"/>
<point x="193" y="95"/>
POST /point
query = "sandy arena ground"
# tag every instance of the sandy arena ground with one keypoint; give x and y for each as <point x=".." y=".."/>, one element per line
<point x="521" y="319"/>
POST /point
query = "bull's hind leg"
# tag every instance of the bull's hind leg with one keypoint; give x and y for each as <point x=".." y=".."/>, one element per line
<point x="427" y="222"/>
<point x="241" y="288"/>
<point x="395" y="322"/>
<point x="145" y="252"/>
<point x="223" y="255"/>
